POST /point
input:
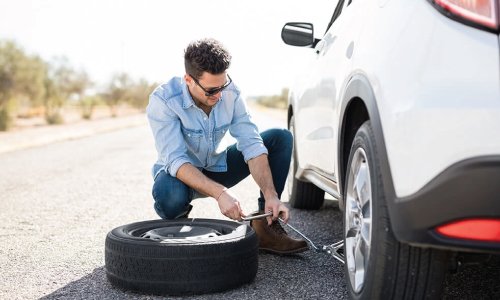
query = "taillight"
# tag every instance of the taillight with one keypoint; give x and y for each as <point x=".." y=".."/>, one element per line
<point x="487" y="230"/>
<point x="482" y="13"/>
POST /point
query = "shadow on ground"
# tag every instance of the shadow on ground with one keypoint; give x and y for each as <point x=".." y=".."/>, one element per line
<point x="475" y="281"/>
<point x="304" y="276"/>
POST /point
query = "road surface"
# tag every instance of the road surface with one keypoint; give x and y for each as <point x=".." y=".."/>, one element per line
<point x="58" y="202"/>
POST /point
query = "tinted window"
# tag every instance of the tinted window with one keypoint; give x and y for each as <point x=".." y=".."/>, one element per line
<point x="336" y="13"/>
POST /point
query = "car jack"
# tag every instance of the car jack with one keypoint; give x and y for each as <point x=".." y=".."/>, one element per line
<point x="336" y="249"/>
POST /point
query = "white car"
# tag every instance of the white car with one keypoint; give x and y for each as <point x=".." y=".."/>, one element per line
<point x="398" y="117"/>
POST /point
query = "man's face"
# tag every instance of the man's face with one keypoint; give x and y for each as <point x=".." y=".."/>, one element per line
<point x="198" y="88"/>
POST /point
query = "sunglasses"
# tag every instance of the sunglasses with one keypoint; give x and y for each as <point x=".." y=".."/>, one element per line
<point x="213" y="91"/>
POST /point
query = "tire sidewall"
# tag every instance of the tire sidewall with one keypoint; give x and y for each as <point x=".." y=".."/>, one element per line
<point x="379" y="252"/>
<point x="185" y="268"/>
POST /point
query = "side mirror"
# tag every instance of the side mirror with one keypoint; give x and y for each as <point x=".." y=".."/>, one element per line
<point x="298" y="34"/>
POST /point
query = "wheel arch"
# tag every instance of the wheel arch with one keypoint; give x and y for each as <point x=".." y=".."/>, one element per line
<point x="359" y="105"/>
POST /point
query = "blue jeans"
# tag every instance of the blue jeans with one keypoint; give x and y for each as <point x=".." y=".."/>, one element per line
<point x="172" y="196"/>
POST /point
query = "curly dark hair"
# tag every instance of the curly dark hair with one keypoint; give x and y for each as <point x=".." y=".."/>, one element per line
<point x="206" y="55"/>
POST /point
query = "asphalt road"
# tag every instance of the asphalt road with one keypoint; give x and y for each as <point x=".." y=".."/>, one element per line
<point x="58" y="202"/>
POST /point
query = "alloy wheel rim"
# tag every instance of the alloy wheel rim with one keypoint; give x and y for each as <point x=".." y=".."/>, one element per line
<point x="358" y="219"/>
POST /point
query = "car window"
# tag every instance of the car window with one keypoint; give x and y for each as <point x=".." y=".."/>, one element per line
<point x="336" y="13"/>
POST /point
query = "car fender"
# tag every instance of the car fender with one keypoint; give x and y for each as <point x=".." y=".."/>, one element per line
<point x="359" y="88"/>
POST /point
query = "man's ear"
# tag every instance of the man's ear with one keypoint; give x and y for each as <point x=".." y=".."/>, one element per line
<point x="187" y="78"/>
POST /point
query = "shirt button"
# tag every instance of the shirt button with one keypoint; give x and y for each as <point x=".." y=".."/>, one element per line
<point x="205" y="118"/>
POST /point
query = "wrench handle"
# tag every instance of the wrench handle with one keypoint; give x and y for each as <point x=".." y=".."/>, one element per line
<point x="257" y="216"/>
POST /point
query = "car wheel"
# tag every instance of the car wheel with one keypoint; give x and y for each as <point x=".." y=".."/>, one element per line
<point x="377" y="266"/>
<point x="302" y="194"/>
<point x="182" y="256"/>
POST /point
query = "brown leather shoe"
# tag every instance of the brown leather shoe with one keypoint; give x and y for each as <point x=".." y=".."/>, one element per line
<point x="274" y="238"/>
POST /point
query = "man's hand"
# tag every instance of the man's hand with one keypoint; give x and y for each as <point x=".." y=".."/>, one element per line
<point x="230" y="206"/>
<point x="278" y="208"/>
<point x="261" y="173"/>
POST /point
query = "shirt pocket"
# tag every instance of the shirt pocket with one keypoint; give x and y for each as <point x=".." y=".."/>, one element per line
<point x="192" y="138"/>
<point x="220" y="132"/>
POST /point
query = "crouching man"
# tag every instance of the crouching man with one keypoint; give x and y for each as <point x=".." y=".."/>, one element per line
<point x="189" y="116"/>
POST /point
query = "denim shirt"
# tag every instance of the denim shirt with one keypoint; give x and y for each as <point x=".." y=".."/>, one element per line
<point x="184" y="133"/>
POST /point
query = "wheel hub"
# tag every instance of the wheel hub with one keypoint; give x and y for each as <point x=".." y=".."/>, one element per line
<point x="180" y="233"/>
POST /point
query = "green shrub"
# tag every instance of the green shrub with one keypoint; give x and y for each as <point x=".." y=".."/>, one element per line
<point x="5" y="119"/>
<point x="275" y="101"/>
<point x="54" y="118"/>
<point x="87" y="106"/>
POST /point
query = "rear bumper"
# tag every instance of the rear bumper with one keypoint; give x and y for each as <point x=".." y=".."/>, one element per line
<point x="468" y="189"/>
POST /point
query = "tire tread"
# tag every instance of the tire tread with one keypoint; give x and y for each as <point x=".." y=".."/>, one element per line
<point x="180" y="269"/>
<point x="399" y="270"/>
<point x="304" y="195"/>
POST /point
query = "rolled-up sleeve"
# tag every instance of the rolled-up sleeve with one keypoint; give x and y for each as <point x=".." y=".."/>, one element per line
<point x="169" y="142"/>
<point x="248" y="139"/>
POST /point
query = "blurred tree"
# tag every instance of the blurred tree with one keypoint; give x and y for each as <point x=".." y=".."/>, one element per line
<point x="88" y="104"/>
<point x="118" y="91"/>
<point x="79" y="83"/>
<point x="275" y="101"/>
<point x="21" y="76"/>
<point x="62" y="82"/>
<point x="31" y="82"/>
<point x="139" y="93"/>
<point x="53" y="101"/>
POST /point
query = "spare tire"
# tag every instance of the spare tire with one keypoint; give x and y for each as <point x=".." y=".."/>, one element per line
<point x="182" y="256"/>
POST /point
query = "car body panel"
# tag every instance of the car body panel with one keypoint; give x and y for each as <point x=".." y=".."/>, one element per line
<point x="431" y="86"/>
<point x="318" y="106"/>
<point x="447" y="97"/>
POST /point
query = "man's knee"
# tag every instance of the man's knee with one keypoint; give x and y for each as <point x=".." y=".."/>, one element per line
<point x="170" y="205"/>
<point x="171" y="197"/>
<point x="168" y="209"/>
<point x="276" y="138"/>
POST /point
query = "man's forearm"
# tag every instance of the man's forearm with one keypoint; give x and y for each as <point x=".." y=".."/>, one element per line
<point x="195" y="179"/>
<point x="261" y="173"/>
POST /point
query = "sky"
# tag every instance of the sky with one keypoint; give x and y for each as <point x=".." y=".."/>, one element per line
<point x="147" y="38"/>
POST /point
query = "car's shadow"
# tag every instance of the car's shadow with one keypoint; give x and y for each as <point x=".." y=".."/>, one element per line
<point x="475" y="281"/>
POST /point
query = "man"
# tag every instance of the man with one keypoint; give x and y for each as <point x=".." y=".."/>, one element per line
<point x="189" y="117"/>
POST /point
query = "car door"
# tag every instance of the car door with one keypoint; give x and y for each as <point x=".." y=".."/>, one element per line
<point x="316" y="114"/>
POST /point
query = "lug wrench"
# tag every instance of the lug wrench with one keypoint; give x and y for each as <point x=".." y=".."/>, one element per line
<point x="336" y="249"/>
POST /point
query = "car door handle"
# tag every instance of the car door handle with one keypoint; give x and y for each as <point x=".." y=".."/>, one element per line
<point x="319" y="46"/>
<point x="326" y="43"/>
